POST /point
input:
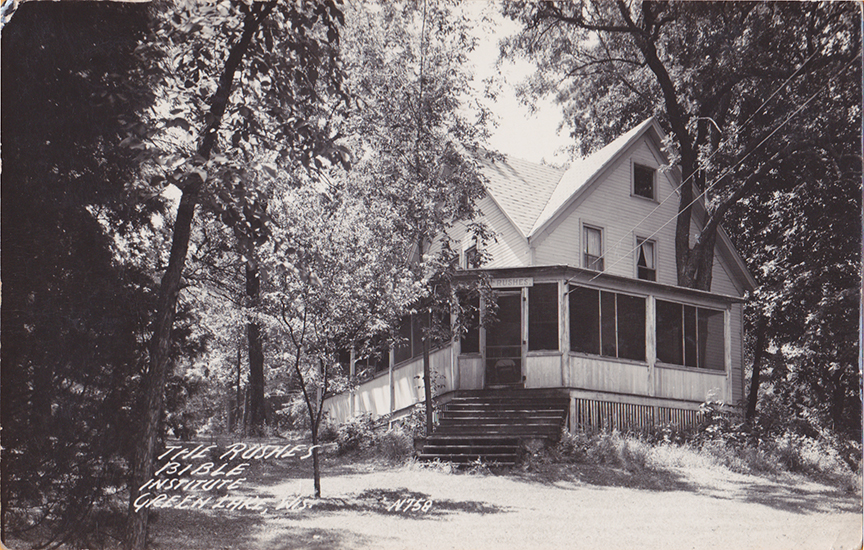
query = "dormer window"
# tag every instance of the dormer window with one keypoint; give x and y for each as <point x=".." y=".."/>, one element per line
<point x="472" y="258"/>
<point x="646" y="260"/>
<point x="643" y="181"/>
<point x="593" y="247"/>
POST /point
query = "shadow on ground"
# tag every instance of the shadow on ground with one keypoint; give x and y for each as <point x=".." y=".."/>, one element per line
<point x="192" y="529"/>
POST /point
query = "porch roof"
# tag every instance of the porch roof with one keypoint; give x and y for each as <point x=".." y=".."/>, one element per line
<point x="578" y="275"/>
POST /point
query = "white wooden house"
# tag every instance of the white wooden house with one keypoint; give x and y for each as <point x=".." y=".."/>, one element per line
<point x="584" y="274"/>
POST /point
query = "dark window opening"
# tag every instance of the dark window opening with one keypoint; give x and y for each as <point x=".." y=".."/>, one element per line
<point x="543" y="317"/>
<point x="606" y="323"/>
<point x="643" y="181"/>
<point x="690" y="336"/>
<point x="470" y="341"/>
<point x="472" y="258"/>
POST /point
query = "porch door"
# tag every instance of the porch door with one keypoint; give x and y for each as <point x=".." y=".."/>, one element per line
<point x="504" y="341"/>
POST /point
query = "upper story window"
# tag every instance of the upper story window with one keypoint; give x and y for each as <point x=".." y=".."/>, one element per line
<point x="592" y="238"/>
<point x="643" y="181"/>
<point x="646" y="260"/>
<point x="472" y="257"/>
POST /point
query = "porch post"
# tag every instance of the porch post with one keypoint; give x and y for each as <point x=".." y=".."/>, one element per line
<point x="651" y="341"/>
<point x="390" y="382"/>
<point x="352" y="395"/>
<point x="564" y="332"/>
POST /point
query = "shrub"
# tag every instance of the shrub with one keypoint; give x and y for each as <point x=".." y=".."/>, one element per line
<point x="395" y="444"/>
<point x="619" y="450"/>
<point x="356" y="433"/>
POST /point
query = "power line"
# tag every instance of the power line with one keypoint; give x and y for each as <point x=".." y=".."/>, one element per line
<point x="730" y="169"/>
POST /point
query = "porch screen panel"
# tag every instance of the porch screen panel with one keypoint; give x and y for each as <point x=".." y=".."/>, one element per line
<point x="631" y="327"/>
<point x="420" y="325"/>
<point x="470" y="342"/>
<point x="543" y="317"/>
<point x="585" y="320"/>
<point x="608" y="338"/>
<point x="690" y="336"/>
<point x="690" y="358"/>
<point x="670" y="330"/>
<point x="711" y="349"/>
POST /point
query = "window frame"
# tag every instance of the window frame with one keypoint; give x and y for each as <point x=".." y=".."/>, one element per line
<point x="683" y="337"/>
<point x="584" y="248"/>
<point x="617" y="323"/>
<point x="639" y="242"/>
<point x="537" y="316"/>
<point x="635" y="166"/>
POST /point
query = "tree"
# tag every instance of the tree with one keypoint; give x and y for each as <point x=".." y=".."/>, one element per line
<point x="406" y="64"/>
<point x="335" y="278"/>
<point x="734" y="83"/>
<point x="74" y="318"/>
<point x="762" y="101"/>
<point x="280" y="52"/>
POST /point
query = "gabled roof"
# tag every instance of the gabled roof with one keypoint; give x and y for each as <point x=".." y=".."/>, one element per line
<point x="521" y="188"/>
<point x="531" y="195"/>
<point x="582" y="172"/>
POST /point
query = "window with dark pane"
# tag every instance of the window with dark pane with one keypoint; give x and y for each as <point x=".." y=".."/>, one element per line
<point x="470" y="342"/>
<point x="593" y="247"/>
<point x="643" y="181"/>
<point x="585" y="320"/>
<point x="670" y="331"/>
<point x="608" y="339"/>
<point x="631" y="327"/>
<point x="646" y="261"/>
<point x="543" y="317"/>
<point x="472" y="258"/>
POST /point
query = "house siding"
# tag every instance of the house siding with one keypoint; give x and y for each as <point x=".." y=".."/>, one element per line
<point x="608" y="207"/>
<point x="509" y="248"/>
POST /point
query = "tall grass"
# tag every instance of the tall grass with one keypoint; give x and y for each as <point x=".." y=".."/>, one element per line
<point x="790" y="452"/>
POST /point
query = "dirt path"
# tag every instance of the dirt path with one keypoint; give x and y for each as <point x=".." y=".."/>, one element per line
<point x="573" y="507"/>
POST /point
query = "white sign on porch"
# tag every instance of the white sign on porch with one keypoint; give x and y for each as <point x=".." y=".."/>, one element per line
<point x="516" y="281"/>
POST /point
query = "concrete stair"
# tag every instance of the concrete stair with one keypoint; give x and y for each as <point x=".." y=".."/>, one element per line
<point x="490" y="425"/>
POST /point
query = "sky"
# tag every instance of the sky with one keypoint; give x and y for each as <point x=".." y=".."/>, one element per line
<point x="520" y="133"/>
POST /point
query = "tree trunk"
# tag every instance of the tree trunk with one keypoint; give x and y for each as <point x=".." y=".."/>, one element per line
<point x="160" y="345"/>
<point x="169" y="289"/>
<point x="758" y="354"/>
<point x="316" y="467"/>
<point x="256" y="356"/>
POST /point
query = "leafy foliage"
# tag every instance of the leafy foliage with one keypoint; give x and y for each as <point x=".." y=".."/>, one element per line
<point x="74" y="317"/>
<point x="758" y="96"/>
<point x="763" y="103"/>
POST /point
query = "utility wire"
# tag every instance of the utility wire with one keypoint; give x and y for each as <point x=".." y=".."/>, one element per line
<point x="703" y="163"/>
<point x="730" y="169"/>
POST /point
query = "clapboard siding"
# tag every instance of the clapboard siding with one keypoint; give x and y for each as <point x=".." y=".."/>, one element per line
<point x="509" y="248"/>
<point x="611" y="206"/>
<point x="470" y="373"/>
<point x="736" y="327"/>
<point x="596" y="374"/>
<point x="689" y="384"/>
<point x="374" y="397"/>
<point x="543" y="371"/>
<point x="408" y="382"/>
